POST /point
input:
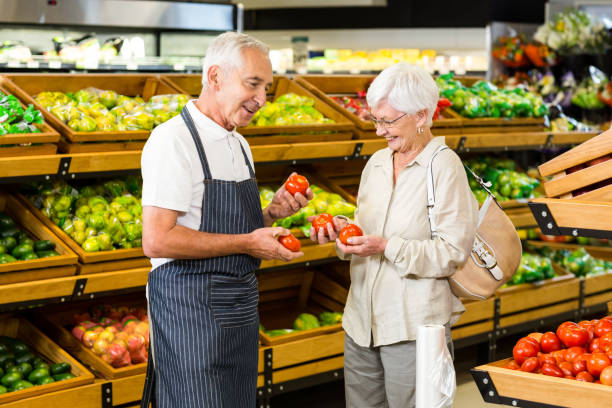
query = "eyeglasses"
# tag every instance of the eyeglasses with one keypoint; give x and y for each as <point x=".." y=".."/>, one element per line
<point x="385" y="124"/>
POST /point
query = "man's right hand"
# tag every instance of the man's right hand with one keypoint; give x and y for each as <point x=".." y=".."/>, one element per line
<point x="263" y="244"/>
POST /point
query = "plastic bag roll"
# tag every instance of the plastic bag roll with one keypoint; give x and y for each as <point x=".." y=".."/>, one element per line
<point x="435" y="373"/>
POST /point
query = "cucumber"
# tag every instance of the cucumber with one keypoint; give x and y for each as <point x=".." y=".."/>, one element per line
<point x="5" y="358"/>
<point x="63" y="376"/>
<point x="22" y="236"/>
<point x="19" y="349"/>
<point x="59" y="368"/>
<point x="22" y="250"/>
<point x="26" y="240"/>
<point x="9" y="243"/>
<point x="6" y="222"/>
<point x="6" y="258"/>
<point x="25" y="358"/>
<point x="46" y="380"/>
<point x="37" y="375"/>
<point x="37" y="361"/>
<point x="30" y="257"/>
<point x="25" y="369"/>
<point x="11" y="378"/>
<point x="44" y="245"/>
<point x="9" y="232"/>
<point x="21" y="385"/>
<point x="46" y="254"/>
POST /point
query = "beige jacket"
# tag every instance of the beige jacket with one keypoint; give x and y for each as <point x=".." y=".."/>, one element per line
<point x="391" y="295"/>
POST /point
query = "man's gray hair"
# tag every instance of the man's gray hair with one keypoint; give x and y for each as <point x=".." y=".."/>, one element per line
<point x="225" y="51"/>
<point x="407" y="88"/>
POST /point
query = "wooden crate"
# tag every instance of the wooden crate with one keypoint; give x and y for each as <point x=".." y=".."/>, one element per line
<point x="561" y="275"/>
<point x="92" y="261"/>
<point x="264" y="135"/>
<point x="57" y="322"/>
<point x="284" y="295"/>
<point x="477" y="318"/>
<point x="44" y="142"/>
<point x="40" y="344"/>
<point x="27" y="86"/>
<point x="567" y="181"/>
<point x="542" y="389"/>
<point x="44" y="268"/>
<point x="324" y="86"/>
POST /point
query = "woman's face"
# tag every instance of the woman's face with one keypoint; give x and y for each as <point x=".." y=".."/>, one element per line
<point x="401" y="134"/>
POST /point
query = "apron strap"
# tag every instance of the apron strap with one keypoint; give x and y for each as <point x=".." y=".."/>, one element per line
<point x="148" y="394"/>
<point x="246" y="160"/>
<point x="196" y="139"/>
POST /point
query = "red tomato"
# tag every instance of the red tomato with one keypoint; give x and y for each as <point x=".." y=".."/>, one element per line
<point x="296" y="184"/>
<point x="546" y="358"/>
<point x="523" y="350"/>
<point x="571" y="334"/>
<point x="530" y="340"/>
<point x="350" y="230"/>
<point x="594" y="347"/>
<point x="569" y="377"/>
<point x="606" y="376"/>
<point x="605" y="343"/>
<point x="603" y="326"/>
<point x="512" y="365"/>
<point x="553" y="371"/>
<point x="573" y="352"/>
<point x="559" y="356"/>
<point x="536" y="336"/>
<point x="550" y="342"/>
<point x="590" y="326"/>
<point x="321" y="222"/>
<point x="597" y="362"/>
<point x="578" y="366"/>
<point x="290" y="242"/>
<point x="566" y="367"/>
<point x="584" y="376"/>
<point x="530" y="365"/>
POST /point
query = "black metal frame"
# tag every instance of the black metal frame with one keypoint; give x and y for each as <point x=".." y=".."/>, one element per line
<point x="107" y="395"/>
<point x="549" y="226"/>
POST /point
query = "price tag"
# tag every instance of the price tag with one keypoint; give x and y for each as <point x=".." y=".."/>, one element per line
<point x="179" y="67"/>
<point x="13" y="64"/>
<point x="33" y="64"/>
<point x="55" y="64"/>
<point x="131" y="66"/>
<point x="90" y="65"/>
<point x="354" y="71"/>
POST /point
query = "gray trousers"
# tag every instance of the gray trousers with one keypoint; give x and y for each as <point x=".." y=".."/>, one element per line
<point x="381" y="377"/>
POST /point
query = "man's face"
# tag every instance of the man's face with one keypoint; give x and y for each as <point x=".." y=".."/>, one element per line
<point x="243" y="89"/>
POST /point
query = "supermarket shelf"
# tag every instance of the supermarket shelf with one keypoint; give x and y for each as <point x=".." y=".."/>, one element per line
<point x="573" y="217"/>
<point x="148" y="64"/>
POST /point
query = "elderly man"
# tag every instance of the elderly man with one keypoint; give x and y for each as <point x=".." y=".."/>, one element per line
<point x="205" y="233"/>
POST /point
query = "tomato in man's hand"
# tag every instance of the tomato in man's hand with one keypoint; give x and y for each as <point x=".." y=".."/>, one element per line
<point x="290" y="242"/>
<point x="350" y="230"/>
<point x="296" y="184"/>
<point x="321" y="222"/>
<point x="550" y="342"/>
<point x="572" y="334"/>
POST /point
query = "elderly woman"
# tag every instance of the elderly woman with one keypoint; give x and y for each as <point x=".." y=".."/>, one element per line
<point x="398" y="270"/>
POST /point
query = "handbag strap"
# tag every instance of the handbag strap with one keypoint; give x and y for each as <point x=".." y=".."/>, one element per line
<point x="431" y="194"/>
<point x="483" y="184"/>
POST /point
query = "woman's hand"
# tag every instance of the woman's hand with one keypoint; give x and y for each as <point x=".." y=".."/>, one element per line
<point x="365" y="245"/>
<point x="332" y="230"/>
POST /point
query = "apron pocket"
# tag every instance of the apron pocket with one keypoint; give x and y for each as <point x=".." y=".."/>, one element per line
<point x="233" y="300"/>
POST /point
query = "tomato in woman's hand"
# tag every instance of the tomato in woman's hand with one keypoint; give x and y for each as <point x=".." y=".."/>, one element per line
<point x="572" y="334"/>
<point x="530" y="365"/>
<point x="296" y="184"/>
<point x="596" y="363"/>
<point x="553" y="371"/>
<point x="290" y="242"/>
<point x="606" y="376"/>
<point x="603" y="326"/>
<point x="550" y="342"/>
<point x="350" y="230"/>
<point x="321" y="222"/>
<point x="523" y="350"/>
<point x="584" y="376"/>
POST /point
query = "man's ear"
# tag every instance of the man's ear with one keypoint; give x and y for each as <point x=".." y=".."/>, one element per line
<point x="215" y="76"/>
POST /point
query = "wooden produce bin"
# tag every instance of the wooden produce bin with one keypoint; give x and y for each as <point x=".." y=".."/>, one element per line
<point x="325" y="86"/>
<point x="36" y="269"/>
<point x="28" y="144"/>
<point x="40" y="344"/>
<point x="264" y="135"/>
<point x="286" y="294"/>
<point x="561" y="275"/>
<point x="27" y="86"/>
<point x="477" y="318"/>
<point x="503" y="386"/>
<point x="58" y="324"/>
<point x="92" y="262"/>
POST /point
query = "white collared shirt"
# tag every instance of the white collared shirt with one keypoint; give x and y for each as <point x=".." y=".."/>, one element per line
<point x="171" y="170"/>
<point x="392" y="294"/>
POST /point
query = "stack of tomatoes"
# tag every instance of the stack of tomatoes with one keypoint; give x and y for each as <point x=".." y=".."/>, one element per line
<point x="578" y="351"/>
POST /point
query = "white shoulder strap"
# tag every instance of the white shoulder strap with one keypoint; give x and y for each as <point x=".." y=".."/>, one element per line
<point x="431" y="197"/>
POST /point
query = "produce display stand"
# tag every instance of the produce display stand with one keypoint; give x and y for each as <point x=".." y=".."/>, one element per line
<point x="28" y="144"/>
<point x="43" y="268"/>
<point x="499" y="385"/>
<point x="27" y="86"/>
<point x="579" y="199"/>
<point x="40" y="344"/>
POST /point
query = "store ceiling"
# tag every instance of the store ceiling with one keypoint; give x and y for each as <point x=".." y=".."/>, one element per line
<point x="277" y="4"/>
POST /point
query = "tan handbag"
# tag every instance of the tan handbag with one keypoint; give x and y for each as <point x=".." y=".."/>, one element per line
<point x="496" y="252"/>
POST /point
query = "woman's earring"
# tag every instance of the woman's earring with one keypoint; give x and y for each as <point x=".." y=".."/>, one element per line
<point x="420" y="130"/>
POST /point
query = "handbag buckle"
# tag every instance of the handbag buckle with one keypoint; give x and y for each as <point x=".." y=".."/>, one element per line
<point x="487" y="260"/>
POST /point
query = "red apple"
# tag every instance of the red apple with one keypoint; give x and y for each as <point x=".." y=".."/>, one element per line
<point x="88" y="324"/>
<point x="135" y="342"/>
<point x="130" y="325"/>
<point x="115" y="314"/>
<point x="142" y="328"/>
<point x="78" y="331"/>
<point x="139" y="356"/>
<point x="106" y="321"/>
<point x="119" y="355"/>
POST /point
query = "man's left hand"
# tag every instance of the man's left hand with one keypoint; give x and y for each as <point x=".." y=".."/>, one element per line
<point x="366" y="245"/>
<point x="285" y="204"/>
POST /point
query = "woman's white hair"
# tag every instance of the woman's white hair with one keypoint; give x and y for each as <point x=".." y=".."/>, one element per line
<point x="407" y="88"/>
<point x="226" y="52"/>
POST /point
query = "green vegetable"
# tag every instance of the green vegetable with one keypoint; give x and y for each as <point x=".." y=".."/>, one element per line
<point x="277" y="332"/>
<point x="44" y="245"/>
<point x="306" y="321"/>
<point x="11" y="378"/>
<point x="37" y="374"/>
<point x="3" y="389"/>
<point x="21" y="385"/>
<point x="45" y="380"/>
<point x="59" y="368"/>
<point x="64" y="376"/>
<point x="20" y="251"/>
<point x="46" y="254"/>
<point x="330" y="318"/>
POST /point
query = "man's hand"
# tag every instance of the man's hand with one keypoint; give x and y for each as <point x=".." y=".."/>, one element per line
<point x="332" y="230"/>
<point x="285" y="204"/>
<point x="366" y="245"/>
<point x="263" y="244"/>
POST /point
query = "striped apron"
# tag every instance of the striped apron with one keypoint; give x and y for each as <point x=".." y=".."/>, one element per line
<point x="203" y="312"/>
